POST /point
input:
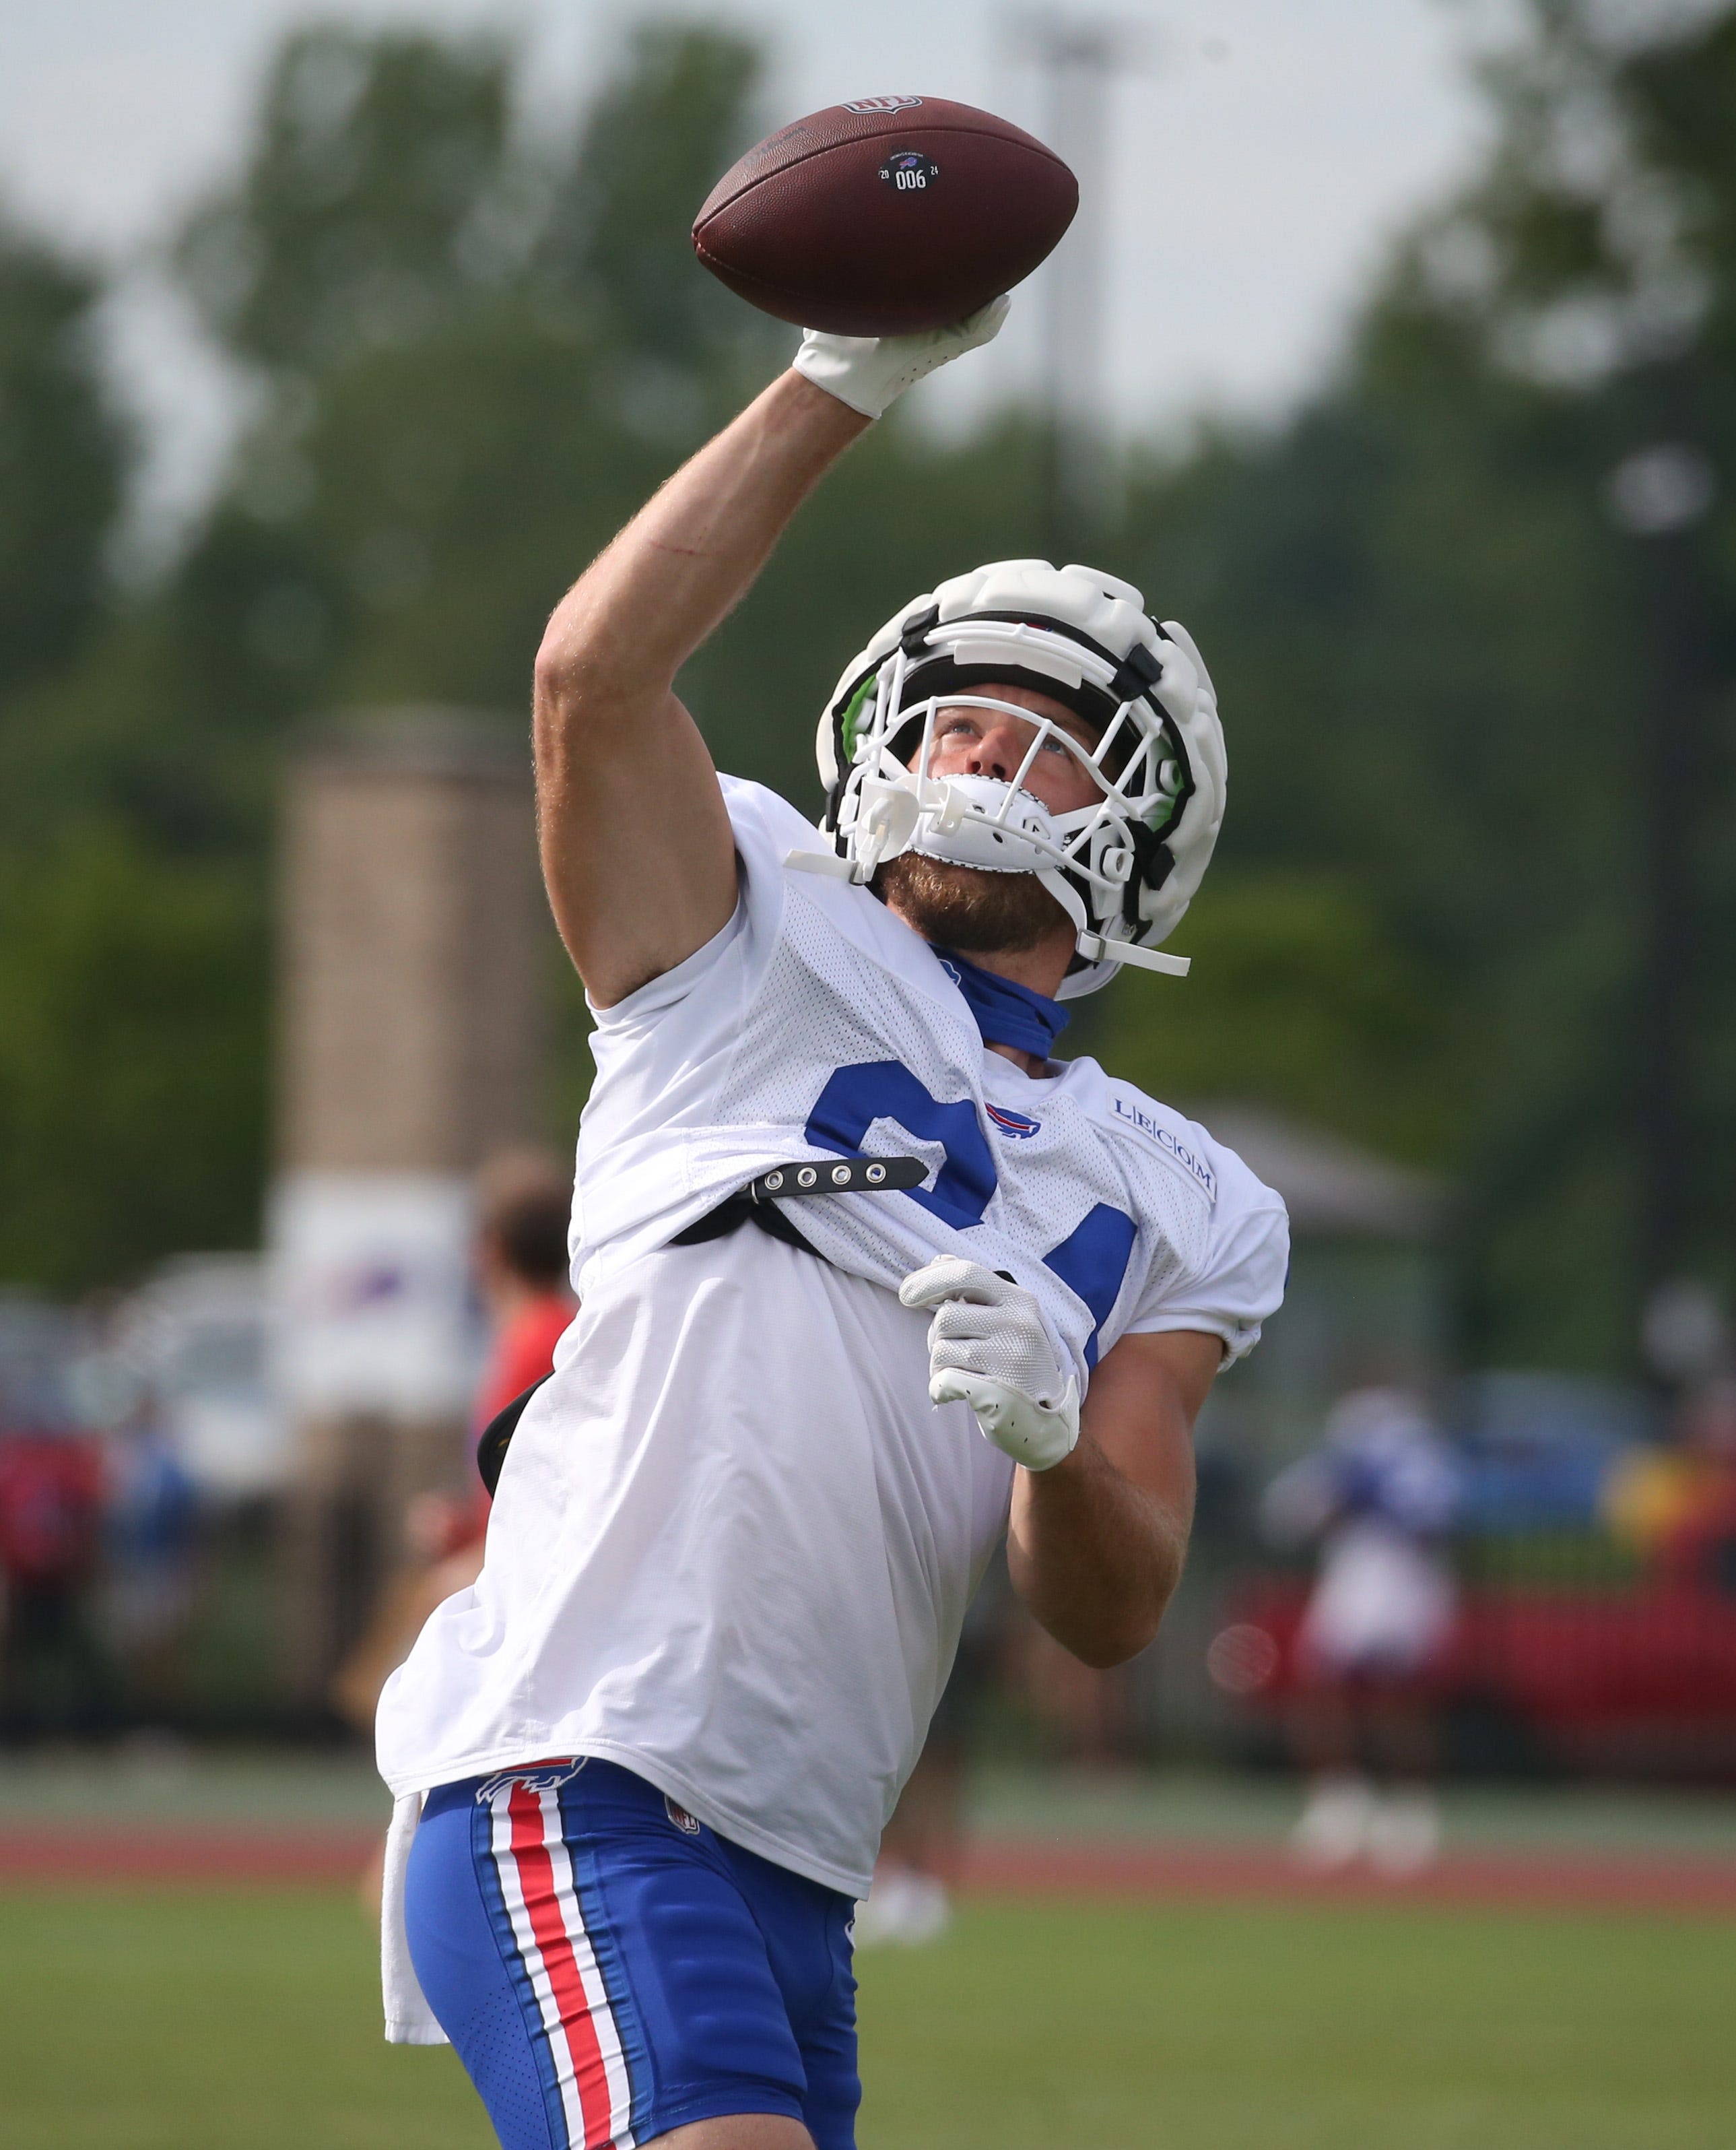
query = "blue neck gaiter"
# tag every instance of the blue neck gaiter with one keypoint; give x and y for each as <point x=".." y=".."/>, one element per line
<point x="1007" y="1014"/>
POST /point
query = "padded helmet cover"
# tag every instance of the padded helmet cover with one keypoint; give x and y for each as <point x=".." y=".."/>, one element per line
<point x="1129" y="865"/>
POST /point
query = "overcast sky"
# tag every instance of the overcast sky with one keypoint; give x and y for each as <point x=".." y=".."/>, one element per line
<point x="1257" y="164"/>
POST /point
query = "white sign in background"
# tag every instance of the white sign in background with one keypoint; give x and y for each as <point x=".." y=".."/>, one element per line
<point x="373" y="1303"/>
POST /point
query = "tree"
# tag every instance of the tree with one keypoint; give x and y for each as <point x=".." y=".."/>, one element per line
<point x="132" y="1057"/>
<point x="466" y="373"/>
<point x="1453" y="677"/>
<point x="383" y="195"/>
<point x="678" y="112"/>
<point x="1436" y="652"/>
<point x="429" y="474"/>
<point x="62" y="456"/>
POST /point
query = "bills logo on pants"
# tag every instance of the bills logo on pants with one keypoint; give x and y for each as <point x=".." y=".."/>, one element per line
<point x="585" y="2042"/>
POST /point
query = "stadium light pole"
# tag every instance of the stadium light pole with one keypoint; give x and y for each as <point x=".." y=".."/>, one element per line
<point x="1079" y="58"/>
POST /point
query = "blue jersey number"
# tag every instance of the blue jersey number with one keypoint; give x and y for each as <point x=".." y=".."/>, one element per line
<point x="854" y="1097"/>
<point x="1091" y="1261"/>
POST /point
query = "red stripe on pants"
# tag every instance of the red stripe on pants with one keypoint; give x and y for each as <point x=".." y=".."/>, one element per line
<point x="536" y="1882"/>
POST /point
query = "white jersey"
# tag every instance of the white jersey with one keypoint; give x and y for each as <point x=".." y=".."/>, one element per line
<point x="734" y="1541"/>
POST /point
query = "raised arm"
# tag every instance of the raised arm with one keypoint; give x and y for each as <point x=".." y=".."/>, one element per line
<point x="636" y="845"/>
<point x="642" y="873"/>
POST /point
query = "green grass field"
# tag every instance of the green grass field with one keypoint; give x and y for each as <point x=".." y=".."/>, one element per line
<point x="149" y="2020"/>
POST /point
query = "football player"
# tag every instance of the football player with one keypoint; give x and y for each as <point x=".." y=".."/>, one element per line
<point x="867" y="1279"/>
<point x="1379" y="1497"/>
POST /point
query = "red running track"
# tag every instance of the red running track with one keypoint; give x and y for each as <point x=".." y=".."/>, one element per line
<point x="1227" y="1872"/>
<point x="58" y="1856"/>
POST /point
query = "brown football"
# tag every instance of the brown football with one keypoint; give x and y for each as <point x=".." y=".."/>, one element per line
<point x="884" y="216"/>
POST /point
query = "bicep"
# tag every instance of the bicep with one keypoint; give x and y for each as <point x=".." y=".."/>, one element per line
<point x="638" y="853"/>
<point x="1140" y="1408"/>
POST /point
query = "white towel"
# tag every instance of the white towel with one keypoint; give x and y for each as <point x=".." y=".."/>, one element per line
<point x="409" y="2019"/>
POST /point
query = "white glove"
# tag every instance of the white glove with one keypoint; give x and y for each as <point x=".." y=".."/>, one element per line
<point x="987" y="1348"/>
<point x="870" y="372"/>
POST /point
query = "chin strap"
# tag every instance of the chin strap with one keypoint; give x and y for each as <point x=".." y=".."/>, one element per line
<point x="1096" y="949"/>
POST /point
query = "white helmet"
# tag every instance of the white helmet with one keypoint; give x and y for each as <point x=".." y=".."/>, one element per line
<point x="1125" y="868"/>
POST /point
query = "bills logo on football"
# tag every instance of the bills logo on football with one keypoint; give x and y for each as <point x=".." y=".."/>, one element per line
<point x="908" y="171"/>
<point x="1019" y="1125"/>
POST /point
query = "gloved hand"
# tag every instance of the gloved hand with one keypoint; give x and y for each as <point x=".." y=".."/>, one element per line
<point x="987" y="1348"/>
<point x="868" y="373"/>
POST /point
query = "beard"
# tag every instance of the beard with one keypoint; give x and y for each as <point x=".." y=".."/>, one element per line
<point x="966" y="909"/>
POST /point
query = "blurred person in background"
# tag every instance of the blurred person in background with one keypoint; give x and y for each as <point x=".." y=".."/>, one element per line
<point x="150" y="1537"/>
<point x="523" y="1202"/>
<point x="1677" y="1503"/>
<point x="1085" y="1712"/>
<point x="1377" y="1497"/>
<point x="922" y="1852"/>
<point x="54" y="1679"/>
<point x="522" y="1263"/>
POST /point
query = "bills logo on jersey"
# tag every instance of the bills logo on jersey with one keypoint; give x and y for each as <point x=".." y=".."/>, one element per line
<point x="535" y="1777"/>
<point x="1020" y="1125"/>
